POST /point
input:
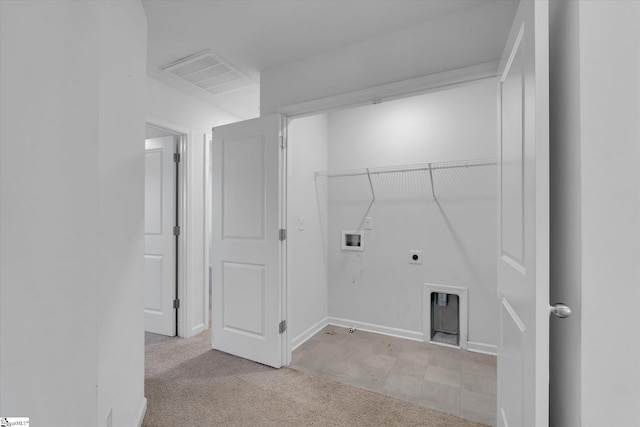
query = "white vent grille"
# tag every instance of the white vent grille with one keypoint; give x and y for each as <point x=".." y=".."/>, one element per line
<point x="208" y="72"/>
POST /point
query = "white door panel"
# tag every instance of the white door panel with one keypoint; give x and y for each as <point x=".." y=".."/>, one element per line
<point x="245" y="250"/>
<point x="153" y="279"/>
<point x="244" y="188"/>
<point x="240" y="313"/>
<point x="159" y="208"/>
<point x="523" y="258"/>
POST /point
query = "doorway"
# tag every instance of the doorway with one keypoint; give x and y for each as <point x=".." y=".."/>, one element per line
<point x="414" y="179"/>
<point x="162" y="230"/>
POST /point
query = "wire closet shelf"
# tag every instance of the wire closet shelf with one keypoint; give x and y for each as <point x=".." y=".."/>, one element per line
<point x="415" y="181"/>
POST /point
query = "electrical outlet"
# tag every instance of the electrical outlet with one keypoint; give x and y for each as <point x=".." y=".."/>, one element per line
<point x="368" y="223"/>
<point x="415" y="257"/>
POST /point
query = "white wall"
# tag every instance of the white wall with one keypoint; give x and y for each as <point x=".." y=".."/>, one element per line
<point x="184" y="112"/>
<point x="72" y="109"/>
<point x="457" y="236"/>
<point x="123" y="46"/>
<point x="610" y="154"/>
<point x="455" y="41"/>
<point x="307" y="249"/>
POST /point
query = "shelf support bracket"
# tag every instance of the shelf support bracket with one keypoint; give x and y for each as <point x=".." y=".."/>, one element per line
<point x="433" y="192"/>
<point x="373" y="194"/>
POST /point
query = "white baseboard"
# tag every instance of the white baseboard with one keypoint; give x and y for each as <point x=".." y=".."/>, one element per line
<point x="476" y="347"/>
<point x="303" y="337"/>
<point x="378" y="329"/>
<point x="479" y="347"/>
<point x="142" y="411"/>
<point x="197" y="329"/>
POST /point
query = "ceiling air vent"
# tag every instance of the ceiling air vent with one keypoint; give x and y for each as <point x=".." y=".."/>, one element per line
<point x="208" y="72"/>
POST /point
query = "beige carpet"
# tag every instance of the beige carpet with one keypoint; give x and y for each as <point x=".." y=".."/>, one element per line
<point x="188" y="384"/>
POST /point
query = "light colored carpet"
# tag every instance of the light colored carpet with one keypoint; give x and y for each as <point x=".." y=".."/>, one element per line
<point x="187" y="383"/>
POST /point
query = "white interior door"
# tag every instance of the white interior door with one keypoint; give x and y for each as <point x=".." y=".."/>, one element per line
<point x="523" y="227"/>
<point x="160" y="259"/>
<point x="246" y="250"/>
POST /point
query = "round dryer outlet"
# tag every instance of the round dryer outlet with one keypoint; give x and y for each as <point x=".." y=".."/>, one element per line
<point x="415" y="257"/>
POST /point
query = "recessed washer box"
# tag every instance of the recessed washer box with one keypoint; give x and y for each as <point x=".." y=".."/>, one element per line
<point x="352" y="241"/>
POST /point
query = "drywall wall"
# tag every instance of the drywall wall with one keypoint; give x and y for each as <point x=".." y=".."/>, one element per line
<point x="121" y="109"/>
<point x="610" y="197"/>
<point x="565" y="212"/>
<point x="306" y="245"/>
<point x="471" y="37"/>
<point x="71" y="181"/>
<point x="182" y="112"/>
<point x="456" y="234"/>
<point x="48" y="217"/>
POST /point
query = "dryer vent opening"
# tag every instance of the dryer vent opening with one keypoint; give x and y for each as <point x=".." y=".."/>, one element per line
<point x="445" y="318"/>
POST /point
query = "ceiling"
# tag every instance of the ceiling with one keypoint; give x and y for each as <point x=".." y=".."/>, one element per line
<point x="254" y="35"/>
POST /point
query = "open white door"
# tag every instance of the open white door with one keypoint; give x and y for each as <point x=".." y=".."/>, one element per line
<point x="159" y="254"/>
<point x="246" y="249"/>
<point x="523" y="227"/>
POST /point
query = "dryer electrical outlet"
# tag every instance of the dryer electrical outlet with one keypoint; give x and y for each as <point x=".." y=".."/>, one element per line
<point x="415" y="257"/>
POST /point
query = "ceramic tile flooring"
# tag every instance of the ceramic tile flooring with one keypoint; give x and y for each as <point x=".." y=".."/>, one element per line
<point x="448" y="379"/>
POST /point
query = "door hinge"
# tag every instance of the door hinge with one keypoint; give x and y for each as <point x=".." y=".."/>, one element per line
<point x="283" y="142"/>
<point x="282" y="234"/>
<point x="282" y="327"/>
<point x="176" y="157"/>
<point x="176" y="230"/>
<point x="176" y="303"/>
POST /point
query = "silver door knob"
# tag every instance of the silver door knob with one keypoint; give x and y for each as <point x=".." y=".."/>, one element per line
<point x="560" y="310"/>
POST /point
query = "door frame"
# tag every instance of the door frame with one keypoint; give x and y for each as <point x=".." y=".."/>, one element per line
<point x="208" y="224"/>
<point x="185" y="136"/>
<point x="398" y="90"/>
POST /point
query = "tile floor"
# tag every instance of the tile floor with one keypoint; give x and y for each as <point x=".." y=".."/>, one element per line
<point x="448" y="379"/>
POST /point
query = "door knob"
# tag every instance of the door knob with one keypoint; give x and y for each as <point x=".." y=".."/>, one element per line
<point x="560" y="310"/>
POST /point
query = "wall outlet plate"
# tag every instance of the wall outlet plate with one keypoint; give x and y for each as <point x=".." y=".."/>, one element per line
<point x="368" y="223"/>
<point x="415" y="257"/>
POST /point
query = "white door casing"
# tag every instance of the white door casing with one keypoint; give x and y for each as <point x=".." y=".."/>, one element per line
<point x="160" y="259"/>
<point x="523" y="220"/>
<point x="245" y="247"/>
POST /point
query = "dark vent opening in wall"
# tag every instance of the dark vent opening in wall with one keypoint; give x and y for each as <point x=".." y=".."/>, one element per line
<point x="445" y="318"/>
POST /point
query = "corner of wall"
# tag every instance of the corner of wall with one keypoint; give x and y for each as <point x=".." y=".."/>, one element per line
<point x="121" y="115"/>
